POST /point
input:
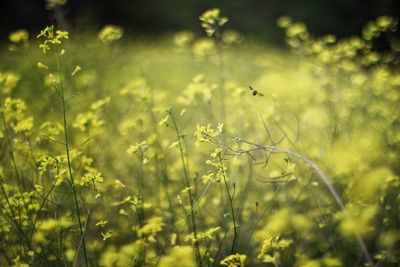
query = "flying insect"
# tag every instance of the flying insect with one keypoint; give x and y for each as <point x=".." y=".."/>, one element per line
<point x="255" y="92"/>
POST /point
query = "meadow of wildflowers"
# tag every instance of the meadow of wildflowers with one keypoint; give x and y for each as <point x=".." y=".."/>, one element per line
<point x="199" y="151"/>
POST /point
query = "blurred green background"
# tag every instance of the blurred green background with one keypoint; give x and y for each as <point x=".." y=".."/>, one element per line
<point x="254" y="18"/>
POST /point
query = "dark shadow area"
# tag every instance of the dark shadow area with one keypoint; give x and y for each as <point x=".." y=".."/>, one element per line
<point x="254" y="18"/>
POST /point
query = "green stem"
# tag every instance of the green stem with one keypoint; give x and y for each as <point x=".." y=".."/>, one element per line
<point x="182" y="221"/>
<point x="187" y="181"/>
<point x="220" y="63"/>
<point x="67" y="149"/>
<point x="161" y="168"/>
<point x="140" y="209"/>
<point x="37" y="214"/>
<point x="19" y="179"/>
<point x="230" y="198"/>
<point x="16" y="225"/>
<point x="324" y="178"/>
<point x="11" y="147"/>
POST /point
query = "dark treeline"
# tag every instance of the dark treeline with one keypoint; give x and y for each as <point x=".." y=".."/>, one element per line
<point x="255" y="18"/>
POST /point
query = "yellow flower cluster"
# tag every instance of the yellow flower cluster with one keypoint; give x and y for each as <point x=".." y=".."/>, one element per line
<point x="211" y="21"/>
<point x="153" y="226"/>
<point x="272" y="248"/>
<point x="19" y="36"/>
<point x="52" y="37"/>
<point x="91" y="120"/>
<point x="110" y="33"/>
<point x="235" y="260"/>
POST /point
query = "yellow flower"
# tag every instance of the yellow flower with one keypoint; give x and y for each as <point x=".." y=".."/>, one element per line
<point x="106" y="235"/>
<point x="100" y="103"/>
<point x="20" y="36"/>
<point x="51" y="38"/>
<point x="142" y="147"/>
<point x="110" y="33"/>
<point x="211" y="21"/>
<point x="101" y="223"/>
<point x="24" y="125"/>
<point x="284" y="22"/>
<point x="204" y="47"/>
<point x="8" y="81"/>
<point x="179" y="256"/>
<point x="164" y="121"/>
<point x="235" y="260"/>
<point x="153" y="226"/>
<point x="40" y="65"/>
<point x="76" y="70"/>
<point x="51" y="4"/>
<point x="183" y="38"/>
<point x="118" y="184"/>
<point x="231" y="37"/>
<point x="62" y="34"/>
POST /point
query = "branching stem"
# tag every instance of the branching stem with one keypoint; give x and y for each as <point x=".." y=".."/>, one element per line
<point x="324" y="178"/>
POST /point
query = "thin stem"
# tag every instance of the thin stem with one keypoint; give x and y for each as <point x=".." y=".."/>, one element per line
<point x="187" y="181"/>
<point x="220" y="244"/>
<point x="182" y="221"/>
<point x="67" y="149"/>
<point x="16" y="225"/>
<point x="161" y="168"/>
<point x="37" y="214"/>
<point x="264" y="211"/>
<point x="230" y="197"/>
<point x="86" y="223"/>
<point x="220" y="63"/>
<point x="11" y="147"/>
<point x="140" y="209"/>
